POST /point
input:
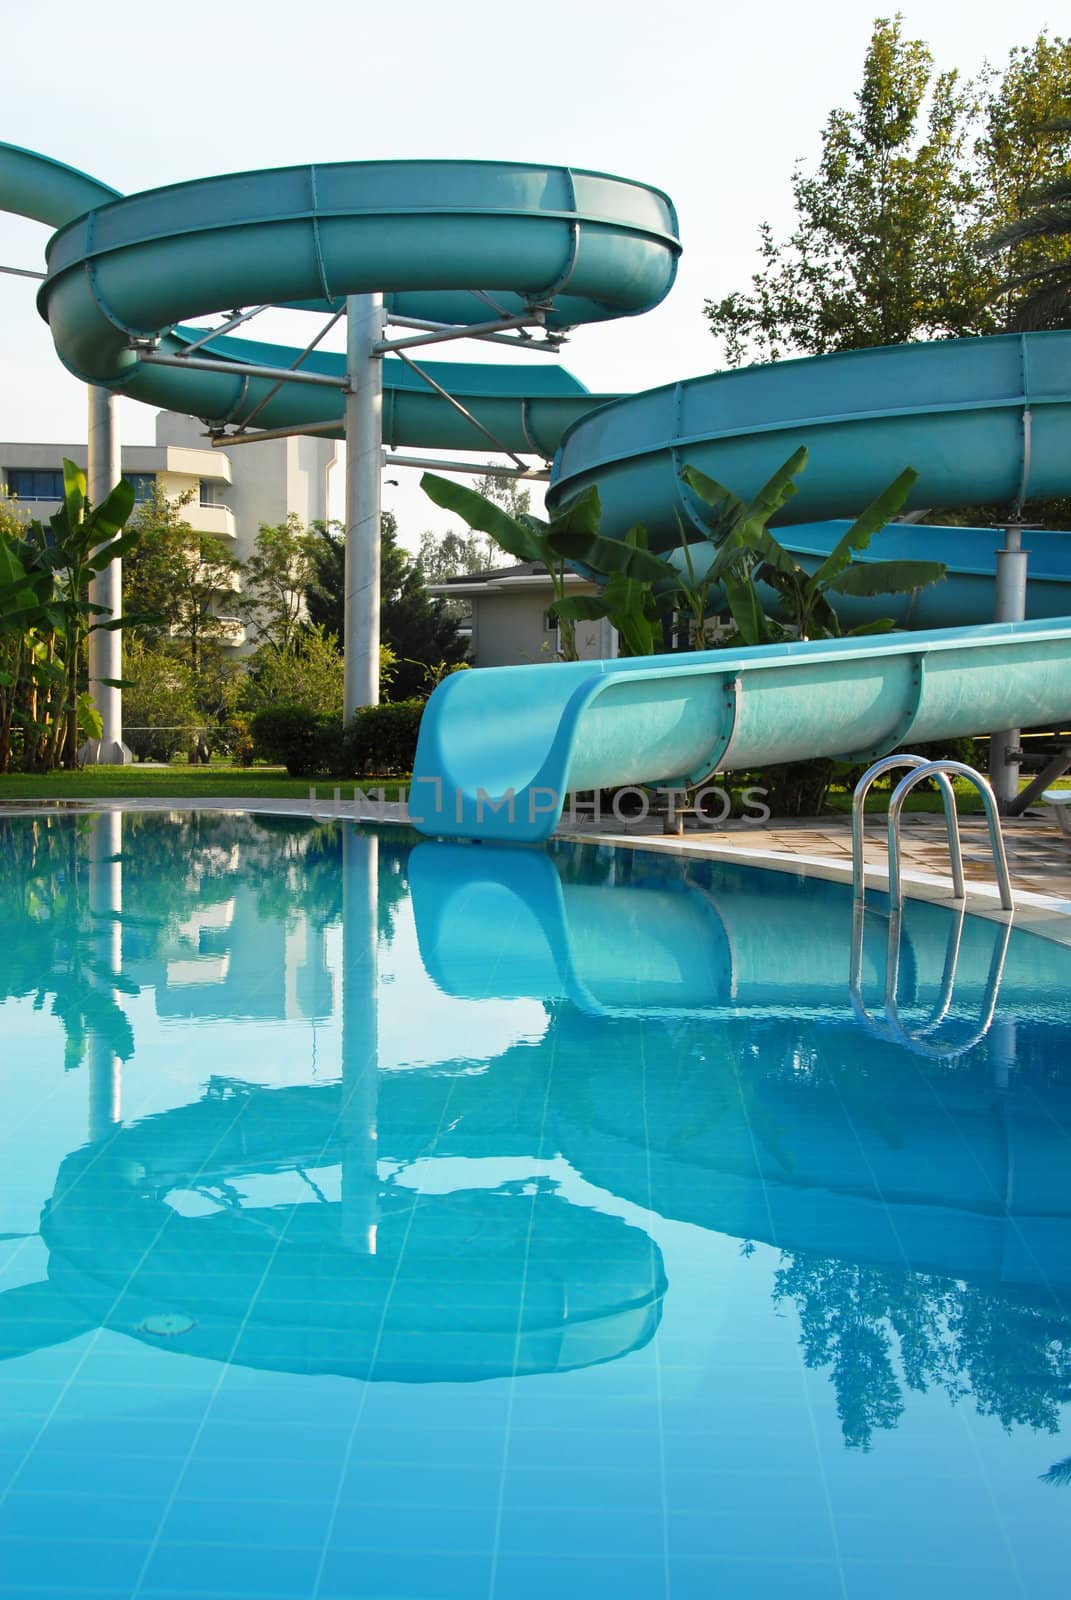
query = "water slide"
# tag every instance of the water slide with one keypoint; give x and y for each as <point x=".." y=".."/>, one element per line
<point x="981" y="420"/>
<point x="446" y="237"/>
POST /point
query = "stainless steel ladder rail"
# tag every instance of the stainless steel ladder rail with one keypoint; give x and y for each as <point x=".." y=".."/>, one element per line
<point x="862" y="789"/>
<point x="946" y="769"/>
<point x="893" y="1027"/>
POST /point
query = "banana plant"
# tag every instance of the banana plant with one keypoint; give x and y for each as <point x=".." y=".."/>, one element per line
<point x="748" y="553"/>
<point x="639" y="588"/>
<point x="44" y="583"/>
<point x="524" y="537"/>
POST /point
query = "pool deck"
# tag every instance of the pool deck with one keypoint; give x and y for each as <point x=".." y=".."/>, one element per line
<point x="1039" y="855"/>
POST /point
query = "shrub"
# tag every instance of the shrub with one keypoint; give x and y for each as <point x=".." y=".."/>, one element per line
<point x="238" y="741"/>
<point x="382" y="740"/>
<point x="310" y="674"/>
<point x="302" y="740"/>
<point x="159" y="707"/>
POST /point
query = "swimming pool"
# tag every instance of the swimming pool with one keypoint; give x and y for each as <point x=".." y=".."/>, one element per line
<point x="384" y="1218"/>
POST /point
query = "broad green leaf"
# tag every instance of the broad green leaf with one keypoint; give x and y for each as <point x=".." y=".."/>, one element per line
<point x="866" y="525"/>
<point x="746" y="611"/>
<point x="74" y="492"/>
<point x="609" y="556"/>
<point x="519" y="541"/>
<point x="580" y="608"/>
<point x="735" y="513"/>
<point x="581" y="514"/>
<point x="881" y="625"/>
<point x="113" y="511"/>
<point x="114" y="550"/>
<point x="779" y="488"/>
<point x="90" y="721"/>
<point x="711" y="492"/>
<point x="888" y="577"/>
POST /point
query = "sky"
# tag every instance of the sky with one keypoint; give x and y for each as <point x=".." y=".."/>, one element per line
<point x="711" y="102"/>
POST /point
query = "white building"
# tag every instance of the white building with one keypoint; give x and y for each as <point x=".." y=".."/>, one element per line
<point x="233" y="492"/>
<point x="511" y="622"/>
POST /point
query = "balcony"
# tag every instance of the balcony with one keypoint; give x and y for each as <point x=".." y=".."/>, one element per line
<point x="216" y="520"/>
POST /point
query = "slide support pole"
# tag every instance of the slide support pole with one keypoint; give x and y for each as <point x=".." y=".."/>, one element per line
<point x="1004" y="748"/>
<point x="106" y="589"/>
<point x="365" y="324"/>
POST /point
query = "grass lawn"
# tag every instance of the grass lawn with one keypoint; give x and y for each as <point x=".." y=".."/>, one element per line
<point x="179" y="781"/>
<point x="220" y="780"/>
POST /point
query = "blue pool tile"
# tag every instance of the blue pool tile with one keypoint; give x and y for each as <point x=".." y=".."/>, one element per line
<point x="85" y="1515"/>
<point x="533" y="1576"/>
<point x="755" y="1578"/>
<point x="255" y="1569"/>
<point x="227" y="1519"/>
<point x="403" y="1574"/>
<point x="41" y="1563"/>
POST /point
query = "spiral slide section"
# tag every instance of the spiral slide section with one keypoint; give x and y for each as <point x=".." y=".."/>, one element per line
<point x="444" y="237"/>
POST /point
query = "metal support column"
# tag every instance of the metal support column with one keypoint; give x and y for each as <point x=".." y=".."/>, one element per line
<point x="1010" y="607"/>
<point x="365" y="322"/>
<point x="106" y="589"/>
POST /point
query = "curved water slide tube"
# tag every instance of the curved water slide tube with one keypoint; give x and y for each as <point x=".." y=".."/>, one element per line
<point x="851" y="1159"/>
<point x="981" y="420"/>
<point x="287" y="1279"/>
<point x="501" y="749"/>
<point x="696" y="941"/>
<point x="442" y="237"/>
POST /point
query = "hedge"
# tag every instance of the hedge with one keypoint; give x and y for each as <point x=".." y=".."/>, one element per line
<point x="379" y="742"/>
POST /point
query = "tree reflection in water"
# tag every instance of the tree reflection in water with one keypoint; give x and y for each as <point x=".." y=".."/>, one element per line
<point x="881" y="1332"/>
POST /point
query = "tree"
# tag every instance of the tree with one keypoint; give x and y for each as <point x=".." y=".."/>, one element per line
<point x="159" y="704"/>
<point x="274" y="583"/>
<point x="176" y="581"/>
<point x="449" y="555"/>
<point x="510" y="493"/>
<point x="1039" y="288"/>
<point x="418" y="630"/>
<point x="46" y="619"/>
<point x="310" y="675"/>
<point x="877" y="255"/>
<point x="910" y="181"/>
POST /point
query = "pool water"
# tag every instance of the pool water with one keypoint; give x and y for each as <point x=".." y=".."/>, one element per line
<point x="408" y="1221"/>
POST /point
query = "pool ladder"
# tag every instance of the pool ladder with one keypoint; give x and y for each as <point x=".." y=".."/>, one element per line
<point x="893" y="1027"/>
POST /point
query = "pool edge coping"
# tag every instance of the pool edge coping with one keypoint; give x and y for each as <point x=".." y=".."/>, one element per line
<point x="1048" y="916"/>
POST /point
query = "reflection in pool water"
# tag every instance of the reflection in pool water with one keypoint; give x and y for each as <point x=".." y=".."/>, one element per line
<point x="596" y="1135"/>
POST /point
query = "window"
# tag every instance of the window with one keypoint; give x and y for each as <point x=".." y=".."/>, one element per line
<point x="30" y="483"/>
<point x="143" y="483"/>
<point x="208" y="493"/>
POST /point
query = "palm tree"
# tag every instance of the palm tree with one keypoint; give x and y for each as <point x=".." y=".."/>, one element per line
<point x="1046" y="224"/>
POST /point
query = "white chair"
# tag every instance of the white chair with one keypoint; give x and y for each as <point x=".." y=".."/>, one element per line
<point x="1060" y="800"/>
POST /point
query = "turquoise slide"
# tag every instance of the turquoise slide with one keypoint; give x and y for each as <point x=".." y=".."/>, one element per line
<point x="982" y="421"/>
